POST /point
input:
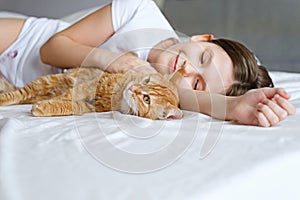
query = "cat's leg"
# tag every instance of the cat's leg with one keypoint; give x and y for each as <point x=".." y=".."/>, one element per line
<point x="42" y="88"/>
<point x="18" y="96"/>
<point x="60" y="108"/>
<point x="6" y="87"/>
<point x="10" y="98"/>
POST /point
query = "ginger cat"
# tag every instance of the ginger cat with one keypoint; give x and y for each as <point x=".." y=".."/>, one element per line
<point x="84" y="90"/>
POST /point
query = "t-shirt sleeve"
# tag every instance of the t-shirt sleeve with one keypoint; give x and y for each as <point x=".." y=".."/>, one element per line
<point x="128" y="15"/>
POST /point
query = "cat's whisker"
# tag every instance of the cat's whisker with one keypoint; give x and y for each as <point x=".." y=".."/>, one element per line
<point x="131" y="103"/>
<point x="133" y="106"/>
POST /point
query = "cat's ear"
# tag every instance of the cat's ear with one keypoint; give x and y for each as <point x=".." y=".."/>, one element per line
<point x="176" y="76"/>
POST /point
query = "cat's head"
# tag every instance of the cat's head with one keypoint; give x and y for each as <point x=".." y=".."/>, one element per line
<point x="151" y="96"/>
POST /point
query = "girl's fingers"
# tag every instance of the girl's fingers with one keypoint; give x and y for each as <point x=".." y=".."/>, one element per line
<point x="279" y="111"/>
<point x="271" y="92"/>
<point x="285" y="104"/>
<point x="269" y="114"/>
<point x="283" y="93"/>
<point x="262" y="120"/>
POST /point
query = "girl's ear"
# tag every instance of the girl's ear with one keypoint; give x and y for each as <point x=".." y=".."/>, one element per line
<point x="202" y="38"/>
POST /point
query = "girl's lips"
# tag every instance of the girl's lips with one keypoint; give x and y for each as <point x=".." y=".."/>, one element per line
<point x="174" y="63"/>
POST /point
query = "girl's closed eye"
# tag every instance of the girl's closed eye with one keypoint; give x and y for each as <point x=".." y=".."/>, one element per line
<point x="205" y="57"/>
<point x="196" y="84"/>
<point x="199" y="84"/>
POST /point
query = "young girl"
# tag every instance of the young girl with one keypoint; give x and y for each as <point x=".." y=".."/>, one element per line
<point x="212" y="67"/>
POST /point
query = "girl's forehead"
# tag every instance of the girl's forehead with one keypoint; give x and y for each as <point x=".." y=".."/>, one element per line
<point x="202" y="45"/>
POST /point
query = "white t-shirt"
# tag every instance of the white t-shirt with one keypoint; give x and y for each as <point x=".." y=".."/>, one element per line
<point x="138" y="26"/>
<point x="20" y="63"/>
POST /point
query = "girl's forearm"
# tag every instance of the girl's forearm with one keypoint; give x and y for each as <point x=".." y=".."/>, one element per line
<point x="62" y="52"/>
<point x="76" y="45"/>
<point x="211" y="104"/>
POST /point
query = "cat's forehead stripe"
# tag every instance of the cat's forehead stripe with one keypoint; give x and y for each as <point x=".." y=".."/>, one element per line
<point x="157" y="90"/>
<point x="161" y="90"/>
<point x="168" y="96"/>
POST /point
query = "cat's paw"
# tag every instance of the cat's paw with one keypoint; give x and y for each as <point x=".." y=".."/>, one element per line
<point x="57" y="108"/>
<point x="3" y="100"/>
<point x="38" y="110"/>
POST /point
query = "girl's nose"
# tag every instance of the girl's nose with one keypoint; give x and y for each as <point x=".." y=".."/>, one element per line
<point x="188" y="68"/>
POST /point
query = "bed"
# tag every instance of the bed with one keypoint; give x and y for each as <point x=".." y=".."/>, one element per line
<point x="114" y="156"/>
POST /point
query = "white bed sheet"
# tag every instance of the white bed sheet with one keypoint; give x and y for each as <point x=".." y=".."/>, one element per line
<point x="194" y="158"/>
<point x="69" y="158"/>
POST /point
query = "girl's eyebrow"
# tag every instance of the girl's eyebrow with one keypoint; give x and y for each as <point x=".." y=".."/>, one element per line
<point x="210" y="53"/>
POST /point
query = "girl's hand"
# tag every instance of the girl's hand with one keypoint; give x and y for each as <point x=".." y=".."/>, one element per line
<point x="261" y="107"/>
<point x="128" y="62"/>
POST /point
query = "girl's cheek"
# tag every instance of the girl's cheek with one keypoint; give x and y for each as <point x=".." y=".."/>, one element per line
<point x="184" y="83"/>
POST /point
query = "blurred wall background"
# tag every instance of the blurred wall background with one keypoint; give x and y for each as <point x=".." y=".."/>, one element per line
<point x="271" y="28"/>
<point x="48" y="8"/>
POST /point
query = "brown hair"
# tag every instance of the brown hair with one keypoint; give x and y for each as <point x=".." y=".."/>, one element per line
<point x="247" y="73"/>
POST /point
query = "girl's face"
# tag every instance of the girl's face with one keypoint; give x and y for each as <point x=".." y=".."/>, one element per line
<point x="206" y="66"/>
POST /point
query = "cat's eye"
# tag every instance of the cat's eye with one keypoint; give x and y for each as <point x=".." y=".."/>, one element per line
<point x="146" y="81"/>
<point x="146" y="99"/>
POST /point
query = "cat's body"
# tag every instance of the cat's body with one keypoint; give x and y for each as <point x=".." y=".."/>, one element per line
<point x="84" y="90"/>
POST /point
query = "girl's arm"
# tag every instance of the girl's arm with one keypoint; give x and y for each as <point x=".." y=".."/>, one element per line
<point x="72" y="46"/>
<point x="76" y="46"/>
<point x="259" y="107"/>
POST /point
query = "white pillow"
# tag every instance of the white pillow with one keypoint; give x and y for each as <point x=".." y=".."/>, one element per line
<point x="69" y="18"/>
<point x="79" y="14"/>
<point x="82" y="13"/>
<point x="7" y="14"/>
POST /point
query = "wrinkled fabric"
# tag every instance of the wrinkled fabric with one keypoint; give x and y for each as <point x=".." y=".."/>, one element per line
<point x="114" y="156"/>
